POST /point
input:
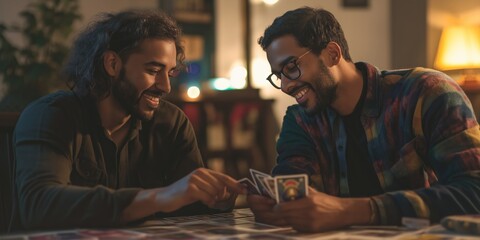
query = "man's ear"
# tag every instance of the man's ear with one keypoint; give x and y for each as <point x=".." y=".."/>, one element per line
<point x="334" y="52"/>
<point x="112" y="63"/>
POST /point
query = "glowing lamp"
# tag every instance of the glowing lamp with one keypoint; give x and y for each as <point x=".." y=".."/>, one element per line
<point x="459" y="49"/>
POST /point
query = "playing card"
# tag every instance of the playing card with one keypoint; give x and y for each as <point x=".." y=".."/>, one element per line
<point x="257" y="178"/>
<point x="270" y="184"/>
<point x="263" y="180"/>
<point x="112" y="234"/>
<point x="251" y="187"/>
<point x="291" y="187"/>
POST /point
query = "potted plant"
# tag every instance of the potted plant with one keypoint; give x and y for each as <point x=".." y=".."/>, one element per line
<point x="30" y="69"/>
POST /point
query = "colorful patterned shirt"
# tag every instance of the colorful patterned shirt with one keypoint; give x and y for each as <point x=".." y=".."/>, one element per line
<point x="423" y="142"/>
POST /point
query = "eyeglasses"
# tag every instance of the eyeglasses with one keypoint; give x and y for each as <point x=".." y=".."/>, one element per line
<point x="290" y="70"/>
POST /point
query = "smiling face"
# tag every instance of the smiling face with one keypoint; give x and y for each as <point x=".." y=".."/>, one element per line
<point x="316" y="88"/>
<point x="145" y="77"/>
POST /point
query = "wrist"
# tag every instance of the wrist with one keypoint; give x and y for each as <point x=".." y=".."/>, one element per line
<point x="165" y="202"/>
<point x="373" y="212"/>
<point x="360" y="212"/>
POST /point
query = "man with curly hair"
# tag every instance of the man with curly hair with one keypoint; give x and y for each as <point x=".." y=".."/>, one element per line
<point x="111" y="150"/>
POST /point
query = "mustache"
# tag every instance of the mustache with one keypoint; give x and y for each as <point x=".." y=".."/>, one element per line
<point x="155" y="93"/>
<point x="296" y="88"/>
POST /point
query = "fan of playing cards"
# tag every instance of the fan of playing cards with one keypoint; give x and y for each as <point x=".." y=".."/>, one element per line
<point x="281" y="188"/>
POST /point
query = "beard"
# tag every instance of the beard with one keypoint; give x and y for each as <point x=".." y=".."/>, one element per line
<point x="325" y="89"/>
<point x="128" y="97"/>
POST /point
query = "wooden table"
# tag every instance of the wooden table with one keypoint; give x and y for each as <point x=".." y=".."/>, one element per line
<point x="239" y="224"/>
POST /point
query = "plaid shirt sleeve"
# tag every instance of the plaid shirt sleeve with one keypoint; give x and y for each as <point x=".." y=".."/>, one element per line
<point x="448" y="142"/>
<point x="423" y="141"/>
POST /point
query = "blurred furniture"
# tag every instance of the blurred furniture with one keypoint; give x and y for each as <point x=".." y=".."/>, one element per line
<point x="7" y="124"/>
<point x="234" y="134"/>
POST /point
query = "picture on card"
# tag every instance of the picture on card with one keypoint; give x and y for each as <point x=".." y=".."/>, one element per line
<point x="291" y="187"/>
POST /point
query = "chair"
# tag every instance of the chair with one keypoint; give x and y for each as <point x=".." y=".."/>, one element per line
<point x="7" y="124"/>
<point x="234" y="133"/>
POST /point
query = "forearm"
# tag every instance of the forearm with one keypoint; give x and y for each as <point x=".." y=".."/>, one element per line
<point x="143" y="204"/>
<point x="148" y="202"/>
<point x="434" y="203"/>
<point x="358" y="211"/>
<point x="60" y="206"/>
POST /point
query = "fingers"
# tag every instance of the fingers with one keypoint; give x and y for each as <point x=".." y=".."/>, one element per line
<point x="293" y="206"/>
<point x="207" y="181"/>
<point x="260" y="202"/>
<point x="226" y="203"/>
<point x="262" y="207"/>
<point x="214" y="186"/>
<point x="201" y="189"/>
<point x="232" y="184"/>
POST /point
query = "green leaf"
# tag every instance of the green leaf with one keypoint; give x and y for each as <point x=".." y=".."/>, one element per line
<point x="32" y="70"/>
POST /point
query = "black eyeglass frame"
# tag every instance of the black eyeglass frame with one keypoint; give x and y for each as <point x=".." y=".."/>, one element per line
<point x="295" y="62"/>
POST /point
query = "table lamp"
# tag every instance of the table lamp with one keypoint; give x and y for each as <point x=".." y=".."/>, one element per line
<point x="459" y="49"/>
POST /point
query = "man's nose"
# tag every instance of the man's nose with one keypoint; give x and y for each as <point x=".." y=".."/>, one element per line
<point x="285" y="83"/>
<point x="162" y="82"/>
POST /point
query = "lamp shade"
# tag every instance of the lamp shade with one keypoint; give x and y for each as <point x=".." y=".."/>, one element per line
<point x="459" y="48"/>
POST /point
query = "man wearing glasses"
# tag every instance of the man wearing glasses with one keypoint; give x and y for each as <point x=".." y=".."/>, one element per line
<point x="377" y="146"/>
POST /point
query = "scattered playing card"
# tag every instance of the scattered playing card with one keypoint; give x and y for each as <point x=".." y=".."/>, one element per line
<point x="112" y="234"/>
<point x="291" y="187"/>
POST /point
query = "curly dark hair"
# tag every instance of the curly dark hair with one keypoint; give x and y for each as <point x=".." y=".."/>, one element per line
<point x="122" y="33"/>
<point x="313" y="29"/>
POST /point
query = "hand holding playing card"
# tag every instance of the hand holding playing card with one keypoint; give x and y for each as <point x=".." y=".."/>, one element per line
<point x="262" y="208"/>
<point x="281" y="188"/>
<point x="319" y="212"/>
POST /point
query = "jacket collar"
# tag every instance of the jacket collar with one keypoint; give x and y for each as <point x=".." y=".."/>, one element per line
<point x="373" y="98"/>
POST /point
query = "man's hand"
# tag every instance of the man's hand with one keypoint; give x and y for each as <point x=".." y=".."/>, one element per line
<point x="319" y="212"/>
<point x="212" y="188"/>
<point x="262" y="207"/>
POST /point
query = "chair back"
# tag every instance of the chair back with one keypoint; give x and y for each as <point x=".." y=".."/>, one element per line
<point x="7" y="125"/>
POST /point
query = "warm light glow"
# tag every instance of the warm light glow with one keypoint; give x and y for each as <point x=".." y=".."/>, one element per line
<point x="238" y="77"/>
<point x="260" y="69"/>
<point x="221" y="84"/>
<point x="193" y="92"/>
<point x="459" y="48"/>
<point x="270" y="2"/>
<point x="239" y="83"/>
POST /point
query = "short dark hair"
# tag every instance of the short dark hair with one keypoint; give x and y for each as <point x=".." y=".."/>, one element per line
<point x="313" y="29"/>
<point x="122" y="33"/>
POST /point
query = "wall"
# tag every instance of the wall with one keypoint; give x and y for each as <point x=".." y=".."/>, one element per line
<point x="408" y="33"/>
<point x="367" y="30"/>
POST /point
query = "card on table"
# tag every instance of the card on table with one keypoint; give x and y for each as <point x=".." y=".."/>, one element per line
<point x="291" y="187"/>
<point x="464" y="224"/>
